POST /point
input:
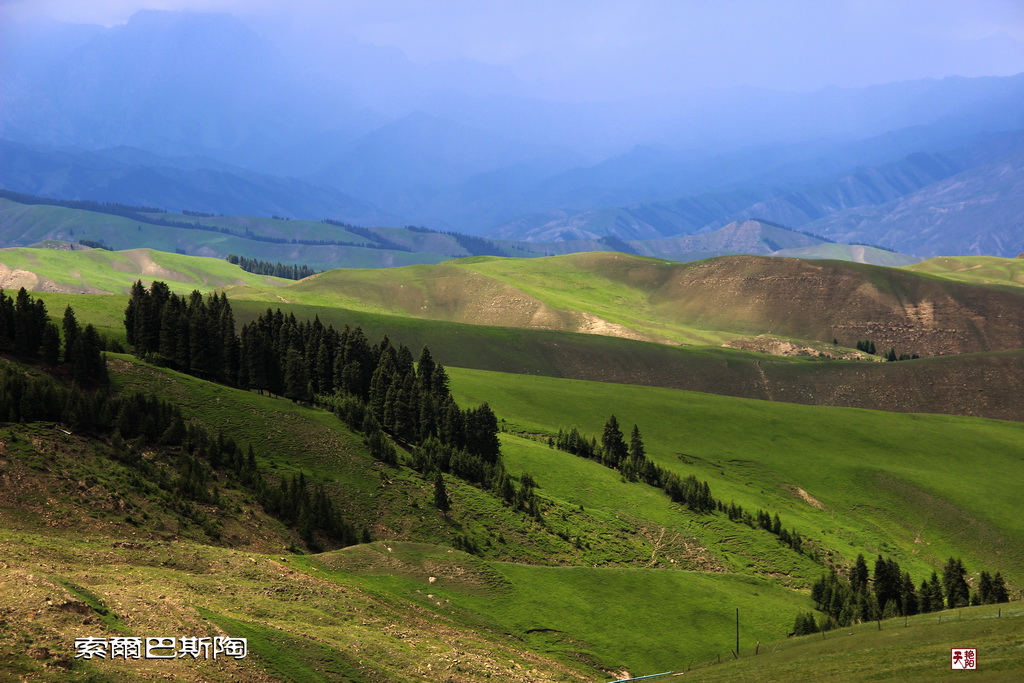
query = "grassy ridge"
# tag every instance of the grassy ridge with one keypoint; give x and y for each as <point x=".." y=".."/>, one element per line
<point x="917" y="649"/>
<point x="706" y="302"/>
<point x="113" y="272"/>
<point x="28" y="224"/>
<point x="597" y="615"/>
<point x="990" y="270"/>
<point x="299" y="624"/>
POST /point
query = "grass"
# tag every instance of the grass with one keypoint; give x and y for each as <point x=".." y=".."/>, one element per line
<point x="37" y="223"/>
<point x="576" y="613"/>
<point x="915" y="649"/>
<point x="299" y="624"/>
<point x="99" y="271"/>
<point x="989" y="270"/>
<point x="894" y="484"/>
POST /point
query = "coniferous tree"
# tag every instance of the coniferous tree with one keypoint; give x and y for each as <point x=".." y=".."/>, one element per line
<point x="441" y="501"/>
<point x="954" y="583"/>
<point x="613" y="447"/>
<point x="985" y="588"/>
<point x="999" y="592"/>
<point x="859" y="575"/>
<point x="296" y="384"/>
<point x="49" y="345"/>
<point x="71" y="330"/>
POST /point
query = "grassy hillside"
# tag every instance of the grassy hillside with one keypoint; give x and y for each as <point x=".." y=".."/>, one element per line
<point x="28" y="224"/>
<point x="893" y="483"/>
<point x="707" y="302"/>
<point x="612" y="577"/>
<point x="618" y="603"/>
<point x="986" y="384"/>
<point x="98" y="271"/>
<point x="850" y="252"/>
<point x="579" y="612"/>
<point x="916" y="649"/>
<point x="989" y="270"/>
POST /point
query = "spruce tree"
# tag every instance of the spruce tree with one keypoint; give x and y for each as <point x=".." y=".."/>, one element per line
<point x="999" y="592"/>
<point x="49" y="346"/>
<point x="859" y="575"/>
<point x="955" y="583"/>
<point x="441" y="501"/>
<point x="613" y="447"/>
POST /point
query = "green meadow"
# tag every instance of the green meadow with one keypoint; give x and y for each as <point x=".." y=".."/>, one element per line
<point x="886" y="483"/>
<point x="990" y="270"/>
<point x="98" y="271"/>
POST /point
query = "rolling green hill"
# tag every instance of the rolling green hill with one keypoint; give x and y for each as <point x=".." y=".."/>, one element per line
<point x="98" y="271"/>
<point x="696" y="303"/>
<point x="990" y="270"/>
<point x="979" y="384"/>
<point x="920" y="506"/>
<point x="604" y="590"/>
<point x="849" y="481"/>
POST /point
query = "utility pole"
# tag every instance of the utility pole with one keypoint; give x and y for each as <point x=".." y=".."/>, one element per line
<point x="737" y="631"/>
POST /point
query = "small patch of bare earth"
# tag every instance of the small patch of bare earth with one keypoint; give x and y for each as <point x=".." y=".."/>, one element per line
<point x="808" y="498"/>
<point x="592" y="324"/>
<point x="146" y="266"/>
<point x="777" y="346"/>
<point x="16" y="278"/>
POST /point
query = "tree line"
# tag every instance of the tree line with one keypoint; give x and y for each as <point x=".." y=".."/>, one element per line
<point x="891" y="592"/>
<point x="137" y="422"/>
<point x="27" y="333"/>
<point x="633" y="464"/>
<point x="868" y="346"/>
<point x="285" y="270"/>
<point x="376" y="389"/>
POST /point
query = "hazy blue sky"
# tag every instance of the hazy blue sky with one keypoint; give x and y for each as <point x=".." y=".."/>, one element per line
<point x="571" y="48"/>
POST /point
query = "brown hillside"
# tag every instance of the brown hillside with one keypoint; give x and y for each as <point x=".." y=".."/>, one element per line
<point x="826" y="300"/>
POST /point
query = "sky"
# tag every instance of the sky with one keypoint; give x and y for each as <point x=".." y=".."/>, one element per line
<point x="573" y="49"/>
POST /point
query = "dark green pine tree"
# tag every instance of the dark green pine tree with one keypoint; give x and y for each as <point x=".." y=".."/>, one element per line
<point x="613" y="447"/>
<point x="636" y="445"/>
<point x="441" y="501"/>
<point x="425" y="371"/>
<point x="859" y="575"/>
<point x="924" y="598"/>
<point x="71" y="330"/>
<point x="985" y="588"/>
<point x="908" y="596"/>
<point x="49" y="346"/>
<point x="954" y="581"/>
<point x="999" y="592"/>
<point x="296" y="383"/>
<point x="935" y="594"/>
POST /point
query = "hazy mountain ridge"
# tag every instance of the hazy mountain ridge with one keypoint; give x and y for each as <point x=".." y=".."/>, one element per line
<point x="132" y="176"/>
<point x="452" y="156"/>
<point x="865" y="195"/>
<point x="976" y="212"/>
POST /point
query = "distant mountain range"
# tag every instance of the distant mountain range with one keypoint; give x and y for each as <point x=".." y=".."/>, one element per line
<point x="963" y="201"/>
<point x="198" y="111"/>
<point x="26" y="220"/>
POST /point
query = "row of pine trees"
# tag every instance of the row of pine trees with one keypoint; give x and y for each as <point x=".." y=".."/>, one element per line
<point x="377" y="389"/>
<point x="289" y="271"/>
<point x="633" y="464"/>
<point x="27" y="333"/>
<point x="200" y="461"/>
<point x="891" y="592"/>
